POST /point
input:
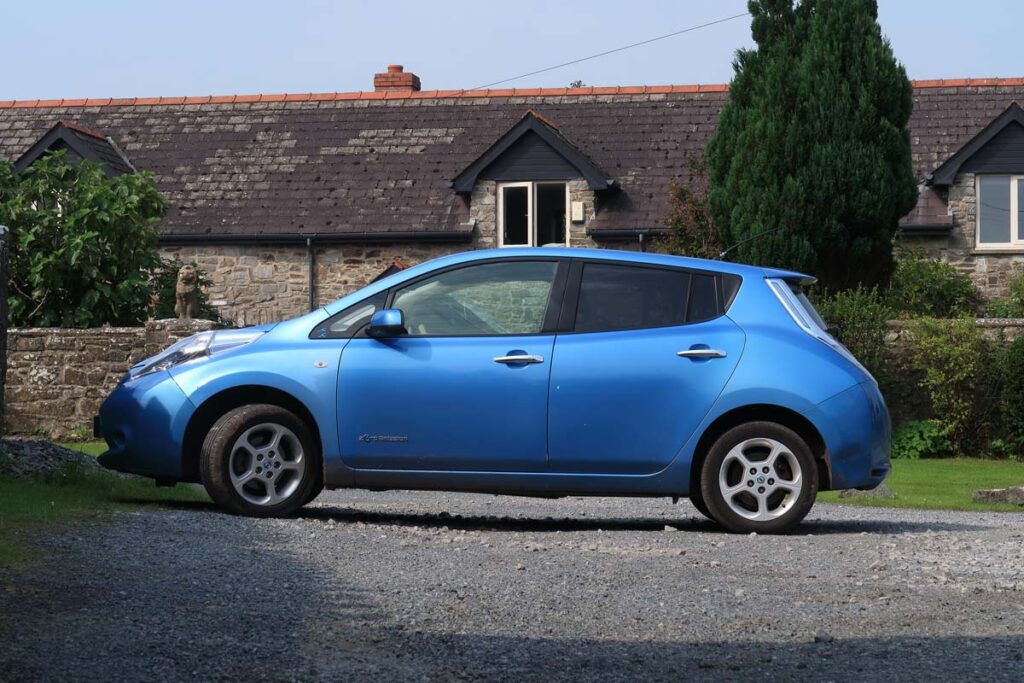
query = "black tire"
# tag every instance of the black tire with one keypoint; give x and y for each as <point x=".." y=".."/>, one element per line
<point x="697" y="499"/>
<point x="215" y="462"/>
<point x="789" y="508"/>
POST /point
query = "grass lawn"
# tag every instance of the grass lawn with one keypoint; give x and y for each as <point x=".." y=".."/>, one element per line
<point x="93" y="448"/>
<point x="71" y="495"/>
<point x="945" y="484"/>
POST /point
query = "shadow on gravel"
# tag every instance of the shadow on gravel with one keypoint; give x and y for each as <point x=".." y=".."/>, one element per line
<point x="895" y="658"/>
<point x="563" y="524"/>
<point x="172" y="504"/>
<point x="212" y="597"/>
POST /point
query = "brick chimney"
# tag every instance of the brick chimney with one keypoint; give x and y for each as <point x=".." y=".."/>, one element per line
<point x="396" y="80"/>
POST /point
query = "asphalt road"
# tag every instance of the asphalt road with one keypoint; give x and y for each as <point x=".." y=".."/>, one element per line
<point x="438" y="587"/>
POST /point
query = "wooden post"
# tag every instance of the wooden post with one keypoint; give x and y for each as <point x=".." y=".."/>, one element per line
<point x="3" y="320"/>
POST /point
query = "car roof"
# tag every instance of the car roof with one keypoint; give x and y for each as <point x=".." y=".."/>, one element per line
<point x="649" y="258"/>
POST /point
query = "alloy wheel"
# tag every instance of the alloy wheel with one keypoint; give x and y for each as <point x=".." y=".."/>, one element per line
<point x="760" y="479"/>
<point x="266" y="464"/>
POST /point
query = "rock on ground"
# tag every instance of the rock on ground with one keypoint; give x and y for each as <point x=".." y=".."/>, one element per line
<point x="1013" y="496"/>
<point x="880" y="492"/>
<point x="30" y="456"/>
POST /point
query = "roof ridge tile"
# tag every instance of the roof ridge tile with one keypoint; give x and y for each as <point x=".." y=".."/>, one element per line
<point x="454" y="94"/>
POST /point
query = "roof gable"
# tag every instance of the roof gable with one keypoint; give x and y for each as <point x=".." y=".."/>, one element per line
<point x="999" y="147"/>
<point x="81" y="143"/>
<point x="535" y="147"/>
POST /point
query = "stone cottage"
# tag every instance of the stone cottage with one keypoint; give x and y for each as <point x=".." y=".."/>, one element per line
<point x="289" y="201"/>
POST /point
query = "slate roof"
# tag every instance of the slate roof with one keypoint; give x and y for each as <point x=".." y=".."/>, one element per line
<point x="375" y="165"/>
<point x="79" y="143"/>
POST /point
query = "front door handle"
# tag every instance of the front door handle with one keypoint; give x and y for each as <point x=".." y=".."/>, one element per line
<point x="519" y="359"/>
<point x="701" y="353"/>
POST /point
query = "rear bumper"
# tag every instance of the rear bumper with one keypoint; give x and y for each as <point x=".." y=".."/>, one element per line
<point x="857" y="432"/>
<point x="143" y="422"/>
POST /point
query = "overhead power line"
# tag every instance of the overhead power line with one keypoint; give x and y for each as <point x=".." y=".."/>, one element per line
<point x="613" y="51"/>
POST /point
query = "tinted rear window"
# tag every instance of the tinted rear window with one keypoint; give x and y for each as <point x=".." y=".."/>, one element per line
<point x="627" y="298"/>
<point x="703" y="298"/>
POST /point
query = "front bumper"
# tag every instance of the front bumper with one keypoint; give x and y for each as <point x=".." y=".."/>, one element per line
<point x="857" y="432"/>
<point x="143" y="422"/>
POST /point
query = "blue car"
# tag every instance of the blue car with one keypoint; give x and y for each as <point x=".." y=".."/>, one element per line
<point x="538" y="372"/>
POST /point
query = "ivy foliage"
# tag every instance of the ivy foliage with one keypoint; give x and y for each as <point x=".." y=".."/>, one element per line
<point x="1011" y="305"/>
<point x="952" y="356"/>
<point x="83" y="246"/>
<point x="927" y="287"/>
<point x="812" y="153"/>
<point x="1011" y="397"/>
<point x="859" y="318"/>
<point x="920" y="439"/>
<point x="692" y="230"/>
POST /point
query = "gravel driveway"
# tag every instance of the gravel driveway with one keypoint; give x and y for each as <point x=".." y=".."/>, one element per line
<point x="425" y="586"/>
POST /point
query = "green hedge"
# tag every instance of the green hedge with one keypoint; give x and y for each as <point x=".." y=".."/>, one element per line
<point x="951" y="391"/>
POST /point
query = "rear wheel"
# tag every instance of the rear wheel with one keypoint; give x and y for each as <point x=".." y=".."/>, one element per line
<point x="261" y="461"/>
<point x="759" y="477"/>
<point x="697" y="499"/>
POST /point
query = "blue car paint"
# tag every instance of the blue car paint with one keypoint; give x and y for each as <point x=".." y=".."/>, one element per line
<point x="502" y="408"/>
<point x="623" y="402"/>
<point x="367" y="387"/>
<point x="144" y="421"/>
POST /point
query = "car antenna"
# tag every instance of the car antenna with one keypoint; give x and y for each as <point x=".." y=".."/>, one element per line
<point x="748" y="239"/>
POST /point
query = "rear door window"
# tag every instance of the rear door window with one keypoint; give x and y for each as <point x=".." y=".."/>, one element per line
<point x="618" y="297"/>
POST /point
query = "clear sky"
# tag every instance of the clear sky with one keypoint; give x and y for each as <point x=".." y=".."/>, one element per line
<point x="125" y="48"/>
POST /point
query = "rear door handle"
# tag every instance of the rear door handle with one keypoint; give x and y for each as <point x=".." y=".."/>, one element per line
<point x="519" y="359"/>
<point x="701" y="353"/>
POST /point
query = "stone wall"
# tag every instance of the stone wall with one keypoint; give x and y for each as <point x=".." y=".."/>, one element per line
<point x="903" y="393"/>
<point x="57" y="378"/>
<point x="990" y="270"/>
<point x="253" y="285"/>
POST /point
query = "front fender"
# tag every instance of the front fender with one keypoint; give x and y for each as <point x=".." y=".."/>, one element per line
<point x="307" y="372"/>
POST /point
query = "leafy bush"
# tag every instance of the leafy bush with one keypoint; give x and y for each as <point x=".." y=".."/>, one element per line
<point x="951" y="356"/>
<point x="920" y="439"/>
<point x="859" y="319"/>
<point x="1012" y="305"/>
<point x="164" y="282"/>
<point x="692" y="231"/>
<point x="82" y="246"/>
<point x="927" y="287"/>
<point x="1011" y="398"/>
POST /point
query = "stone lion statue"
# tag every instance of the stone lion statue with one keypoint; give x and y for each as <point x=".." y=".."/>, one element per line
<point x="186" y="295"/>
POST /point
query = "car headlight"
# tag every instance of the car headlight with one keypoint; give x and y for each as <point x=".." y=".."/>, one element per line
<point x="191" y="348"/>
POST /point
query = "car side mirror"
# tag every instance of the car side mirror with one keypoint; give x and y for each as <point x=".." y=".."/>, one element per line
<point x="389" y="322"/>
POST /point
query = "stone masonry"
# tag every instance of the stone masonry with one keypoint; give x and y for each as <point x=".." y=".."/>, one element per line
<point x="57" y="378"/>
<point x="991" y="270"/>
<point x="253" y="284"/>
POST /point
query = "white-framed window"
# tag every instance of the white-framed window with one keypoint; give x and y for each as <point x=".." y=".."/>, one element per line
<point x="533" y="214"/>
<point x="1000" y="212"/>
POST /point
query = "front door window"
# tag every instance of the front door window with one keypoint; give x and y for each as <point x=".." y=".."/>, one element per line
<point x="532" y="214"/>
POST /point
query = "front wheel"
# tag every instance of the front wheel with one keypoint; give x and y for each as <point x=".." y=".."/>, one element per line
<point x="260" y="461"/>
<point x="759" y="477"/>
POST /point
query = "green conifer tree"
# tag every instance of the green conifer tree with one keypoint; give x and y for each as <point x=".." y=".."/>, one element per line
<point x="812" y="150"/>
